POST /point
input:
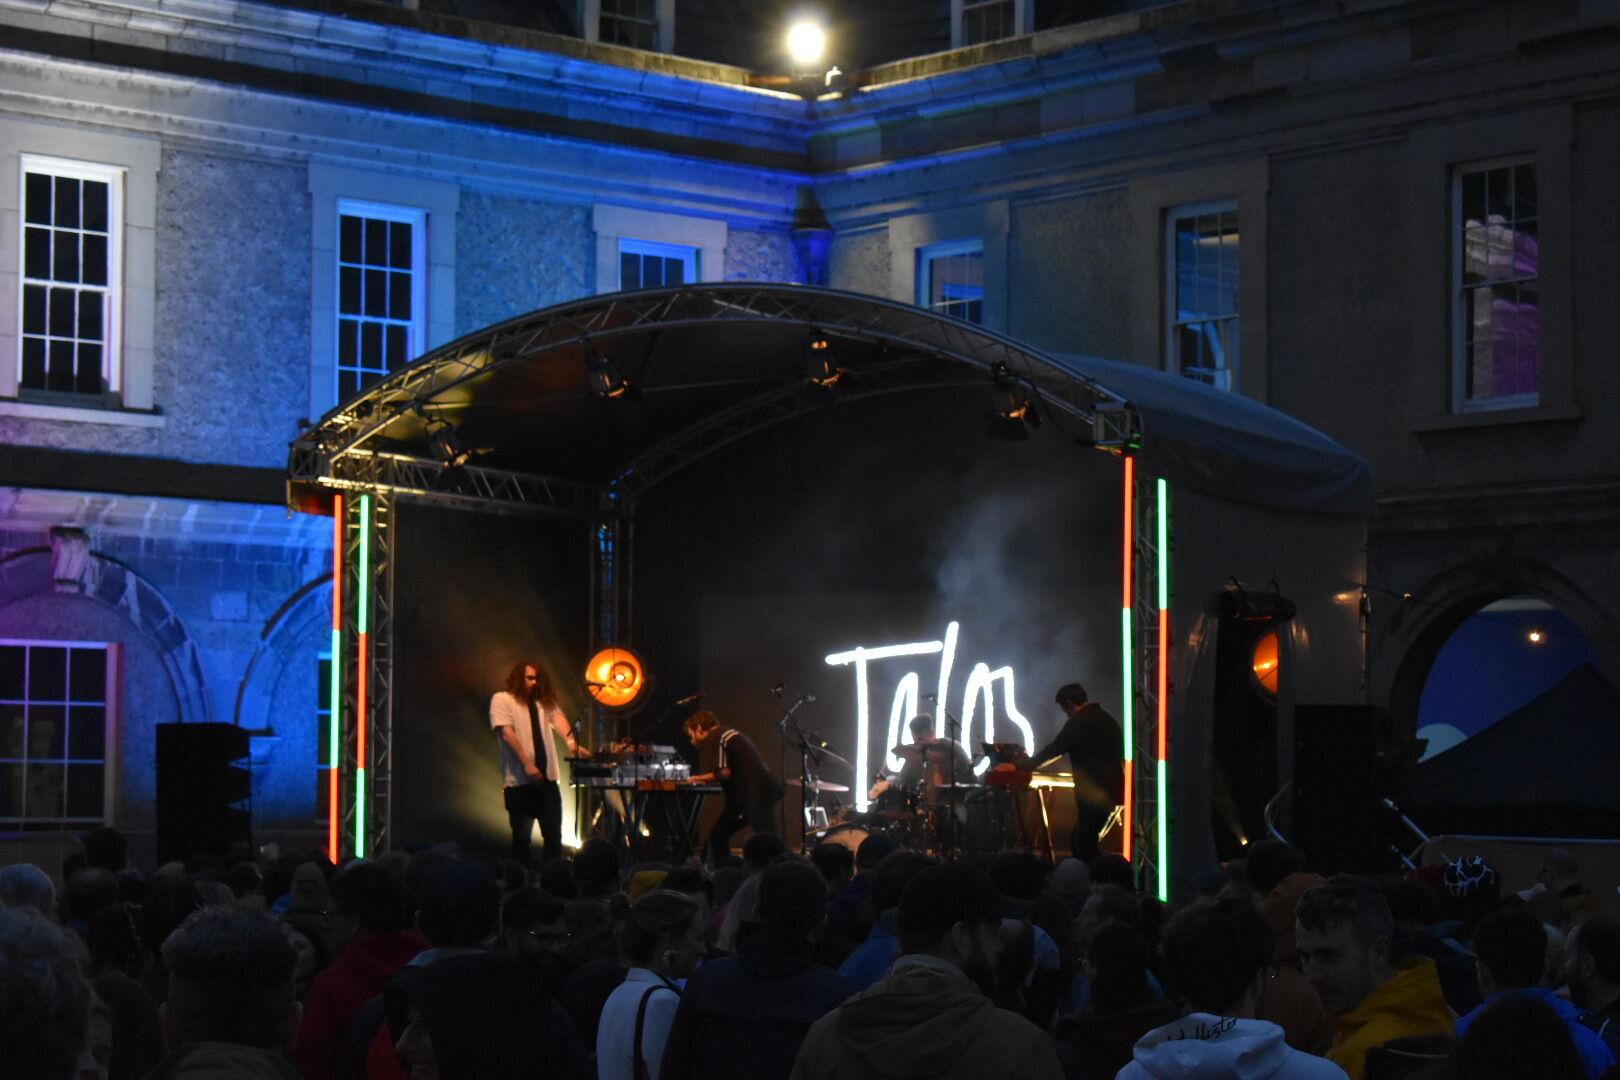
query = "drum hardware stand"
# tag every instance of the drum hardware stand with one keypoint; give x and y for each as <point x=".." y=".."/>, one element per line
<point x="806" y="753"/>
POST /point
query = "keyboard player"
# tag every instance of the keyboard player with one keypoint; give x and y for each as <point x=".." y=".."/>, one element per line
<point x="751" y="792"/>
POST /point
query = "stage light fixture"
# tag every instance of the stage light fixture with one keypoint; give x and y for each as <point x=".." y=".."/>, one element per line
<point x="1015" y="407"/>
<point x="806" y="44"/>
<point x="1265" y="663"/>
<point x="821" y="363"/>
<point x="615" y="677"/>
<point x="447" y="447"/>
<point x="604" y="377"/>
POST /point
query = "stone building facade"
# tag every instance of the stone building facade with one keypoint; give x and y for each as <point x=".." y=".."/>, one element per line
<point x="1327" y="154"/>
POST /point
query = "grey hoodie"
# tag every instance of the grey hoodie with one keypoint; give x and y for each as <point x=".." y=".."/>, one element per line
<point x="1201" y="1046"/>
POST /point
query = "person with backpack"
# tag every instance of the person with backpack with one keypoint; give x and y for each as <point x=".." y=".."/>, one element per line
<point x="663" y="940"/>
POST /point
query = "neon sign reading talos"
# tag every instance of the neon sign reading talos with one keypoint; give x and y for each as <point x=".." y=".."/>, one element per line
<point x="981" y="685"/>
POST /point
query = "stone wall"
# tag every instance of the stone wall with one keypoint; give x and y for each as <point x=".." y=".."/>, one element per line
<point x="514" y="256"/>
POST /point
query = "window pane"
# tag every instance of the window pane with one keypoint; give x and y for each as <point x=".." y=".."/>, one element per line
<point x="1524" y="191"/>
<point x="377" y="293"/>
<point x="395" y="348"/>
<point x="652" y="272"/>
<point x="37" y="198"/>
<point x="349" y="290"/>
<point x="674" y="272"/>
<point x="95" y="205"/>
<point x="90" y="307"/>
<point x="1473" y="198"/>
<point x="376" y="242"/>
<point x="67" y="203"/>
<point x="65" y="257"/>
<point x="11" y="790"/>
<point x="1498" y="195"/>
<point x="348" y="384"/>
<point x="37" y="254"/>
<point x="95" y="260"/>
<point x="45" y="790"/>
<point x="399" y="245"/>
<point x="85" y="791"/>
<point x="13" y="659"/>
<point x="62" y="372"/>
<point x="63" y="306"/>
<point x="11" y="730"/>
<point x="629" y="271"/>
<point x="371" y="355"/>
<point x="47" y="730"/>
<point x="87" y="732"/>
<point x="47" y="673"/>
<point x="33" y="366"/>
<point x="34" y="309"/>
<point x="349" y="239"/>
<point x="348" y="342"/>
<point x="399" y="296"/>
<point x="87" y="675"/>
<point x="88" y="377"/>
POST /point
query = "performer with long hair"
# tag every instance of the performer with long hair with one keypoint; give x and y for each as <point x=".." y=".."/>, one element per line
<point x="523" y="716"/>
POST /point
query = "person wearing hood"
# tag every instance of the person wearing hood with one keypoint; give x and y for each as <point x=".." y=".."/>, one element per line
<point x="1345" y="933"/>
<point x="231" y="1010"/>
<point x="1218" y="955"/>
<point x="1509" y="945"/>
<point x="932" y="1016"/>
<point x="374" y="944"/>
<point x="745" y="1016"/>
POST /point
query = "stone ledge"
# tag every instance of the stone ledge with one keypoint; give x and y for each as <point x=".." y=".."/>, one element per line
<point x="73" y="414"/>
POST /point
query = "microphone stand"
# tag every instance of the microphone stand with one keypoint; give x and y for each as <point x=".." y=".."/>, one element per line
<point x="804" y="753"/>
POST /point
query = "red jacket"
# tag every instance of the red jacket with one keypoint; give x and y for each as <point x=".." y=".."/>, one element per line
<point x="338" y="993"/>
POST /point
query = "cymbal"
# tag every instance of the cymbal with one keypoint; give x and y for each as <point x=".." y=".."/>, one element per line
<point x="820" y="785"/>
<point x="825" y="754"/>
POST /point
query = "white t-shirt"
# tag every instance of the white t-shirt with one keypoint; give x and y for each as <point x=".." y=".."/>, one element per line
<point x="616" y="1033"/>
<point x="507" y="711"/>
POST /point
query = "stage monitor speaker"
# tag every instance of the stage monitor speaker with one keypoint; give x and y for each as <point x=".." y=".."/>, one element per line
<point x="1339" y="782"/>
<point x="202" y="782"/>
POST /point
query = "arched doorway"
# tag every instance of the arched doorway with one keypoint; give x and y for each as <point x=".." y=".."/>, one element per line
<point x="1497" y="660"/>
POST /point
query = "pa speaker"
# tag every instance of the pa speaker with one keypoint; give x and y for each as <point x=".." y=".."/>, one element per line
<point x="1340" y="781"/>
<point x="203" y="786"/>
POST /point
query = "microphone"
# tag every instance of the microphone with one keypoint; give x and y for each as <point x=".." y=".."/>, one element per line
<point x="809" y="697"/>
<point x="690" y="699"/>
<point x="778" y="688"/>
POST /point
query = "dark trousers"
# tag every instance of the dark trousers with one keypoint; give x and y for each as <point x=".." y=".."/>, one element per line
<point x="1089" y="820"/>
<point x="761" y="816"/>
<point x="539" y="801"/>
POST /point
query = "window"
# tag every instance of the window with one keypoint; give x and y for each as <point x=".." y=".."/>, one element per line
<point x="54" y="724"/>
<point x="72" y="235"/>
<point x="986" y="20"/>
<point x="381" y="291"/>
<point x="950" y="279"/>
<point x="629" y="22"/>
<point x="1496" y="308"/>
<point x="1201" y="260"/>
<point x="647" y="265"/>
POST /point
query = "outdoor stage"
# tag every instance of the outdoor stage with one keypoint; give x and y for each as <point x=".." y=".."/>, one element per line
<point x="682" y="473"/>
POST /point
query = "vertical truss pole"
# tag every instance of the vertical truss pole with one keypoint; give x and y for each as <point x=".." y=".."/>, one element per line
<point x="347" y="712"/>
<point x="332" y="753"/>
<point x="1127" y="693"/>
<point x="380" y="652"/>
<point x="1150" y="676"/>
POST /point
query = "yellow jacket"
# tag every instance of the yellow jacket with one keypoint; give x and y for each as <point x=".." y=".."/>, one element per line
<point x="1410" y="1003"/>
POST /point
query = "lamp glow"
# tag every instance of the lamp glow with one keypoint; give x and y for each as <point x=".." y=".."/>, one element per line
<point x="1535" y="637"/>
<point x="806" y="43"/>
<point x="615" y="677"/>
<point x="1266" y="661"/>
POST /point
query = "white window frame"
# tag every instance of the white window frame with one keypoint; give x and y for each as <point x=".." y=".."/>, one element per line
<point x="928" y="255"/>
<point x="112" y="353"/>
<point x="1172" y="357"/>
<point x="416" y="328"/>
<point x="109" y="759"/>
<point x="590" y="23"/>
<point x="1460" y="401"/>
<point x="1023" y="21"/>
<point x="690" y="257"/>
<point x="706" y="236"/>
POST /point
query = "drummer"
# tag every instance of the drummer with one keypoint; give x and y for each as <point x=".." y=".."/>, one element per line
<point x="928" y="767"/>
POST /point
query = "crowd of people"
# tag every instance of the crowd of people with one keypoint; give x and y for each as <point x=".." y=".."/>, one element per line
<point x="881" y="963"/>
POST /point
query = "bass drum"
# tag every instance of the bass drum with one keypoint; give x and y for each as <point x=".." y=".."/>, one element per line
<point x="847" y="835"/>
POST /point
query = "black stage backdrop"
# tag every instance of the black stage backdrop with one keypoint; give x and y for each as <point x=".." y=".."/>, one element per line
<point x="475" y="594"/>
<point x="870" y="524"/>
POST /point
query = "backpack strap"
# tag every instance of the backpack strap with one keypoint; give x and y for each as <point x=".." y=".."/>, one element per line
<point x="638" y="1064"/>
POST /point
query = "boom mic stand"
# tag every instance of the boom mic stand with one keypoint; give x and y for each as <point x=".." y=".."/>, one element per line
<point x="804" y="753"/>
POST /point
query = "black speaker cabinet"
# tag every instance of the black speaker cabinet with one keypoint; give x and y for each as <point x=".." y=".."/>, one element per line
<point x="1340" y="780"/>
<point x="203" y="787"/>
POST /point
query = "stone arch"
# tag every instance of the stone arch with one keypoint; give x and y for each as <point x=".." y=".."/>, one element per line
<point x="1414" y="636"/>
<point x="105" y="580"/>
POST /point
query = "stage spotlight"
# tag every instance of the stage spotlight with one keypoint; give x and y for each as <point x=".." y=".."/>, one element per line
<point x="446" y="445"/>
<point x="806" y="43"/>
<point x="820" y="363"/>
<point x="604" y="378"/>
<point x="615" y="677"/>
<point x="1265" y="662"/>
<point x="1015" y="407"/>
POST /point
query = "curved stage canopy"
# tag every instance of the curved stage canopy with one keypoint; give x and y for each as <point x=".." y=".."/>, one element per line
<point x="528" y="410"/>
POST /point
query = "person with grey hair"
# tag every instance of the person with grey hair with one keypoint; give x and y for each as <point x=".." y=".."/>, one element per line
<point x="231" y="1009"/>
<point x="26" y="885"/>
<point x="44" y="1000"/>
